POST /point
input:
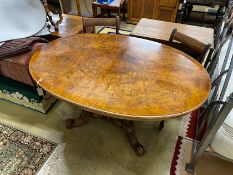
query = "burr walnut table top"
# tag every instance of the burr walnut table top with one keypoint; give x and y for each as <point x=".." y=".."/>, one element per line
<point x="121" y="76"/>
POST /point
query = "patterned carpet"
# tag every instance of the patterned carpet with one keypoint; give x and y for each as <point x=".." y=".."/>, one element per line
<point x="22" y="153"/>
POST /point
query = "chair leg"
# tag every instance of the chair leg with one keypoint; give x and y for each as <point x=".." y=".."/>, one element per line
<point x="109" y="14"/>
<point x="190" y="8"/>
<point x="161" y="125"/>
<point x="119" y="12"/>
<point x="94" y="8"/>
<point x="78" y="7"/>
<point x="182" y="13"/>
<point x="124" y="9"/>
<point x="102" y="12"/>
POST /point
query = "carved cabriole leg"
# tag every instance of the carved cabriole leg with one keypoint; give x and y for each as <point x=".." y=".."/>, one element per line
<point x="94" y="8"/>
<point x="83" y="119"/>
<point x="126" y="125"/>
<point x="129" y="129"/>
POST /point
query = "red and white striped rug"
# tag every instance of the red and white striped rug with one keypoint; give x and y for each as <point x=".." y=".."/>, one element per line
<point x="184" y="143"/>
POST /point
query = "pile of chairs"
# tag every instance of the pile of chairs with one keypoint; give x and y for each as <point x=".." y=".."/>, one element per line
<point x="212" y="115"/>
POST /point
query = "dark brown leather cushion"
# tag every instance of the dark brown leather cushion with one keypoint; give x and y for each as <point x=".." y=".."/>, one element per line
<point x="17" y="67"/>
<point x="19" y="46"/>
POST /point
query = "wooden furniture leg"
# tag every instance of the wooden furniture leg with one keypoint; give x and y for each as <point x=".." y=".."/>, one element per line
<point x="78" y="7"/>
<point x="126" y="125"/>
<point x="83" y="119"/>
<point x="109" y="14"/>
<point x="102" y="11"/>
<point x="189" y="8"/>
<point x="181" y="17"/>
<point x="94" y="8"/>
<point x="124" y="9"/>
<point x="119" y="12"/>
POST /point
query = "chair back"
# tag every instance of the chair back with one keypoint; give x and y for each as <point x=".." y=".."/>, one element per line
<point x="89" y="24"/>
<point x="197" y="48"/>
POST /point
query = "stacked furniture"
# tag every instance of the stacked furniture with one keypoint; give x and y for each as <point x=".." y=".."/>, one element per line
<point x="223" y="141"/>
<point x="217" y="138"/>
<point x="216" y="120"/>
<point x="16" y="84"/>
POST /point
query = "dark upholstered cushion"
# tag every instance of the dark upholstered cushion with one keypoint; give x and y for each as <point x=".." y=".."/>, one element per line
<point x="19" y="46"/>
<point x="16" y="67"/>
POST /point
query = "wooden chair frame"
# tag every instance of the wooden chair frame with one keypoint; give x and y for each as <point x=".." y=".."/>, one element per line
<point x="92" y="22"/>
<point x="191" y="44"/>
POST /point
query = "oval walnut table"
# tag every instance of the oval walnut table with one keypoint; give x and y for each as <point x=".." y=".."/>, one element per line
<point x="121" y="79"/>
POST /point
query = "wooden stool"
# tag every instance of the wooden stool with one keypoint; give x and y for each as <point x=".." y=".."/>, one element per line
<point x="116" y="5"/>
